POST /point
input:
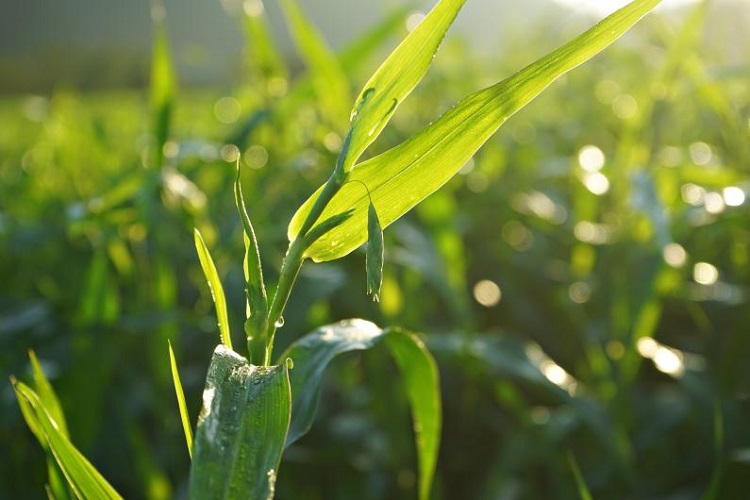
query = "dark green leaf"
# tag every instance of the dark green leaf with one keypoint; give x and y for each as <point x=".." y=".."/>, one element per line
<point x="314" y="352"/>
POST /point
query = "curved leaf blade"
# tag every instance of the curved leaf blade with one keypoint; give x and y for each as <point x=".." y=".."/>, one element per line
<point x="214" y="284"/>
<point x="422" y="386"/>
<point x="394" y="80"/>
<point x="314" y="352"/>
<point x="84" y="480"/>
<point x="241" y="429"/>
<point x="184" y="415"/>
<point x="47" y="395"/>
<point x="403" y="176"/>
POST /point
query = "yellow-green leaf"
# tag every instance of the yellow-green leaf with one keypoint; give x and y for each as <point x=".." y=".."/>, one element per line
<point x="214" y="284"/>
<point x="394" y="80"/>
<point x="403" y="176"/>
<point x="184" y="415"/>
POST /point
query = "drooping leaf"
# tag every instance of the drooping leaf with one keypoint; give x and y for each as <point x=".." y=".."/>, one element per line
<point x="394" y="80"/>
<point x="214" y="284"/>
<point x="375" y="254"/>
<point x="241" y="429"/>
<point x="184" y="415"/>
<point x="314" y="352"/>
<point x="403" y="176"/>
<point x="84" y="480"/>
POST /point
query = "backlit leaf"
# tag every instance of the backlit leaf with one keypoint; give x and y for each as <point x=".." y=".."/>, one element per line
<point x="403" y="176"/>
<point x="184" y="415"/>
<point x="217" y="291"/>
<point x="397" y="77"/>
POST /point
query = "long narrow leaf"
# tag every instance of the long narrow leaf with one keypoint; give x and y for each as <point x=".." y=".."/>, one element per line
<point x="47" y="395"/>
<point x="314" y="352"/>
<point x="217" y="291"/>
<point x="264" y="57"/>
<point x="403" y="176"/>
<point x="241" y="429"/>
<point x="257" y="301"/>
<point x="184" y="415"/>
<point x="163" y="86"/>
<point x="394" y="80"/>
<point x="330" y="81"/>
<point x="83" y="478"/>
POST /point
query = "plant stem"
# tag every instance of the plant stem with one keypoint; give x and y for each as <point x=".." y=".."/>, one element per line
<point x="289" y="271"/>
<point x="293" y="260"/>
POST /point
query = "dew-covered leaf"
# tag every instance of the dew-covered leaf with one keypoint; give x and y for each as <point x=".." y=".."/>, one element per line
<point x="241" y="429"/>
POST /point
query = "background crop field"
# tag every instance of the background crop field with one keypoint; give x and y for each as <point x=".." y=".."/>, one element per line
<point x="584" y="282"/>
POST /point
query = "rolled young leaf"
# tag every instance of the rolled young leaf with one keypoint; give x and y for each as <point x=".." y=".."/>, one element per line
<point x="241" y="429"/>
<point x="313" y="353"/>
<point x="406" y="174"/>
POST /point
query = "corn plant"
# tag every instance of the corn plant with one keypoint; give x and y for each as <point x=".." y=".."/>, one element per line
<point x="254" y="407"/>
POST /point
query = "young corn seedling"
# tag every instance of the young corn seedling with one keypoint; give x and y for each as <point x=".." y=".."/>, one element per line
<point x="255" y="407"/>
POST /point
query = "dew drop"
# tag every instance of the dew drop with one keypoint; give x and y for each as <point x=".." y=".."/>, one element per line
<point x="279" y="322"/>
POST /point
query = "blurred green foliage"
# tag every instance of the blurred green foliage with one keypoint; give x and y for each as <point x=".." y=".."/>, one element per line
<point x="583" y="283"/>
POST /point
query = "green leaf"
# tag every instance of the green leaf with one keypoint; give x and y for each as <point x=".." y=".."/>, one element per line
<point x="47" y="395"/>
<point x="264" y="57"/>
<point x="326" y="226"/>
<point x="328" y="78"/>
<point x="375" y="254"/>
<point x="84" y="480"/>
<point x="214" y="284"/>
<point x="403" y="176"/>
<point x="163" y="86"/>
<point x="314" y="352"/>
<point x="255" y="288"/>
<point x="184" y="415"/>
<point x="241" y="429"/>
<point x="394" y="80"/>
<point x="583" y="490"/>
